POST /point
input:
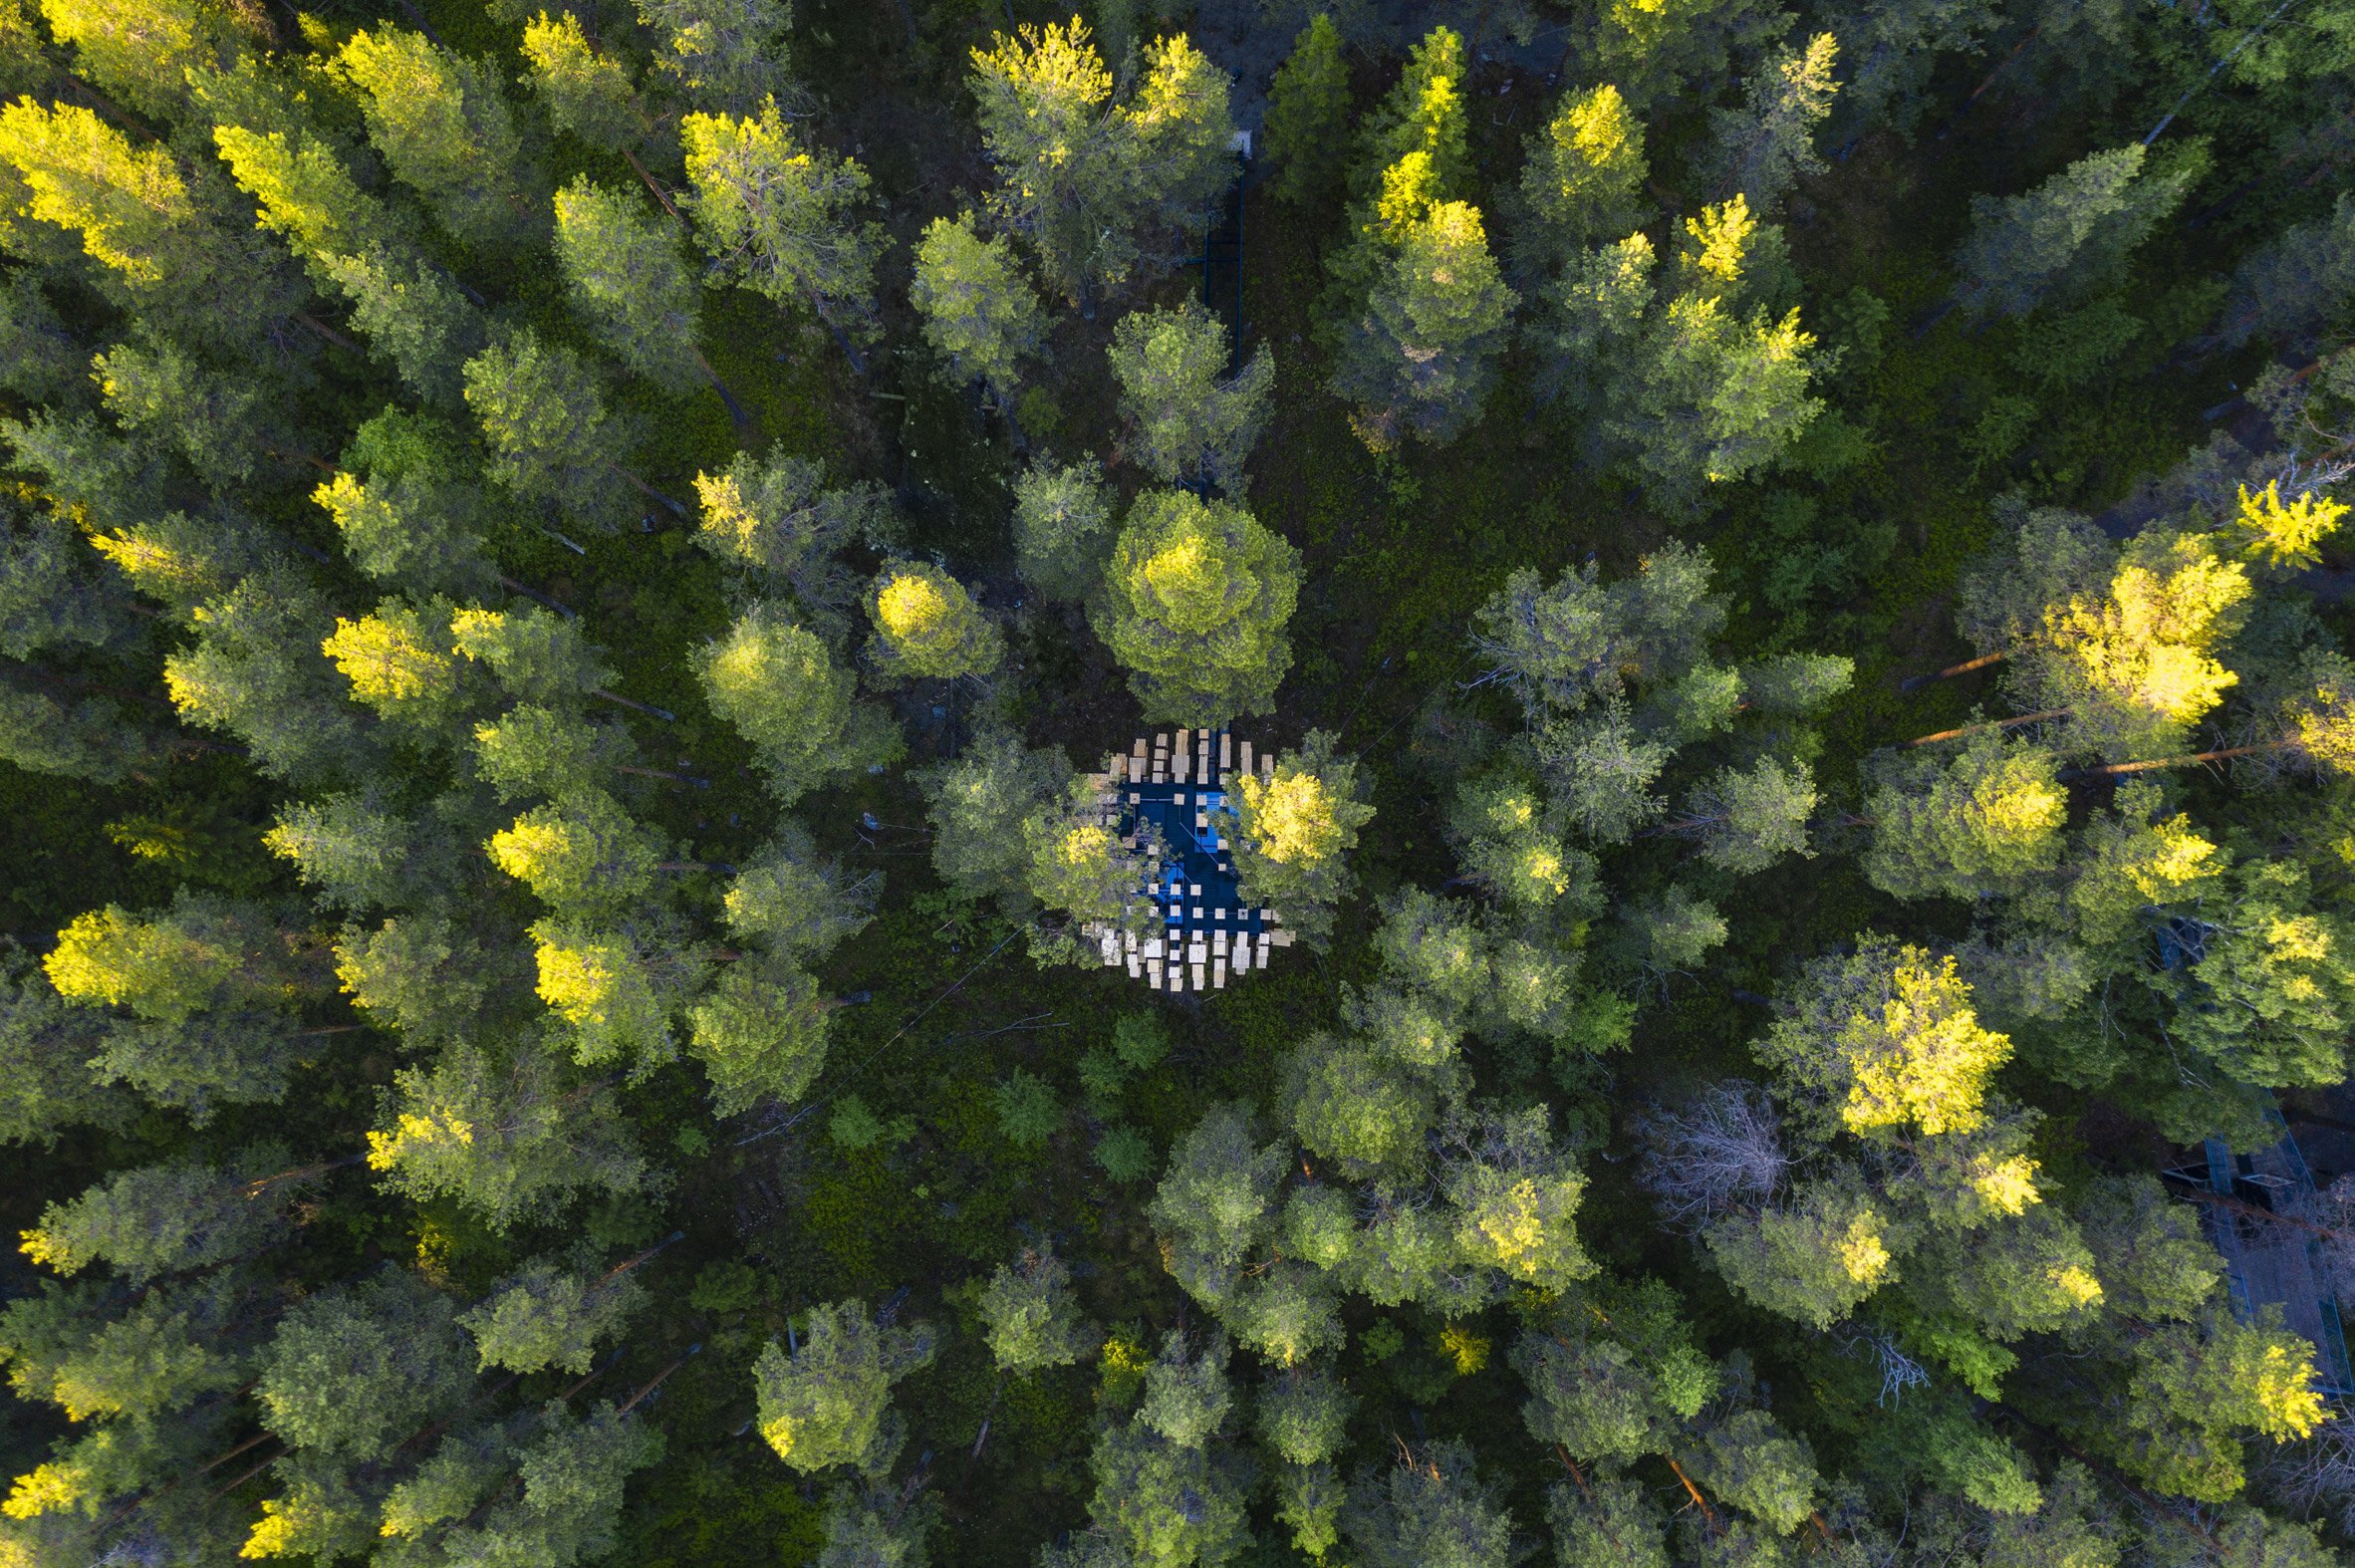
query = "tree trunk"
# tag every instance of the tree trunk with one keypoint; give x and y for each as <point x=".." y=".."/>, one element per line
<point x="2113" y="769"/>
<point x="1917" y="682"/>
<point x="735" y="409"/>
<point x="327" y="331"/>
<point x="1995" y="724"/>
<point x="665" y="714"/>
<point x="676" y="509"/>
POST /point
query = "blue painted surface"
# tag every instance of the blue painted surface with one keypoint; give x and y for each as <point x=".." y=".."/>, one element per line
<point x="1195" y="859"/>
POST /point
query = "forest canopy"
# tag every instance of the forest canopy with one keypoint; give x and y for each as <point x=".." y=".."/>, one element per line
<point x="1204" y="782"/>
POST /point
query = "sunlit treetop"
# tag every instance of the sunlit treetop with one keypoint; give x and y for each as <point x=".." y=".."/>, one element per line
<point x="1888" y="1042"/>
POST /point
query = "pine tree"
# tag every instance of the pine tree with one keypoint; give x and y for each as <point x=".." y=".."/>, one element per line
<point x="353" y="1371"/>
<point x="1420" y="312"/>
<point x="1746" y="821"/>
<point x="2067" y="238"/>
<point x="1292" y="832"/>
<point x="152" y="1221"/>
<point x="1062" y="523"/>
<point x="1752" y="1462"/>
<point x="1658" y="52"/>
<point x="1581" y="184"/>
<point x="1430" y="1512"/>
<point x="407" y="507"/>
<point x="1097" y="188"/>
<point x="781" y="688"/>
<point x="143" y="52"/>
<point x="829" y="1403"/>
<point x="396" y="663"/>
<point x="927" y="627"/>
<point x="1029" y="1317"/>
<point x="1307" y="115"/>
<point x="161" y="394"/>
<point x="630" y="283"/>
<point x="760" y="1033"/>
<point x="145" y="222"/>
<point x="1887" y="1040"/>
<point x="445" y="132"/>
<point x="1765" y="147"/>
<point x="781" y="218"/>
<point x="544" y="417"/>
<point x="355" y="854"/>
<point x="726" y="58"/>
<point x="979" y="312"/>
<point x="587" y="94"/>
<point x="1710" y="396"/>
<point x="1193" y="603"/>
<point x="579" y="855"/>
<point x="980" y="805"/>
<point x="500" y="1138"/>
<point x="1985" y="821"/>
<point x="547" y="1315"/>
<point x="616" y="990"/>
<point x="1190" y="420"/>
<point x="778" y="516"/>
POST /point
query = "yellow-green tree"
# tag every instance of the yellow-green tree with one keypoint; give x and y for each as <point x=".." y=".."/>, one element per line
<point x="1193" y="603"/>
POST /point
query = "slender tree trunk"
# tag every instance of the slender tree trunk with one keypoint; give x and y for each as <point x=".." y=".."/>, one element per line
<point x="2114" y="769"/>
<point x="327" y="331"/>
<point x="1693" y="1491"/>
<point x="690" y="1351"/>
<point x="665" y="714"/>
<point x="676" y="509"/>
<point x="1917" y="682"/>
<point x="661" y="195"/>
<point x="1994" y="723"/>
<point x="534" y="595"/>
<point x="624" y="1267"/>
<point x="736" y="408"/>
<point x="302" y="1173"/>
<point x="658" y="773"/>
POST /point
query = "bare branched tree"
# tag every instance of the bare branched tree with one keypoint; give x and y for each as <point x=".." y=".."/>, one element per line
<point x="2315" y="1477"/>
<point x="1721" y="1152"/>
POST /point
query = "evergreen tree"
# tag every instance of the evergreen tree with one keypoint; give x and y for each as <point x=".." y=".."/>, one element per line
<point x="1419" y="357"/>
<point x="781" y="688"/>
<point x="1293" y="830"/>
<point x="1190" y="420"/>
<point x="587" y="94"/>
<point x="353" y="1371"/>
<point x="927" y="625"/>
<point x="2067" y="238"/>
<point x="1062" y="517"/>
<point x="152" y="1221"/>
<point x="1094" y="187"/>
<point x="444" y="131"/>
<point x="543" y="414"/>
<point x="630" y="283"/>
<point x="778" y="516"/>
<point x="781" y="218"/>
<point x="146" y="224"/>
<point x="760" y="1033"/>
<point x="1766" y="145"/>
<point x="1193" y="603"/>
<point x="499" y="1137"/>
<point x="1429" y="1509"/>
<point x="1988" y="820"/>
<point x="1307" y="114"/>
<point x="546" y="1315"/>
<point x="981" y="806"/>
<point x="725" y="58"/>
<point x="1581" y="183"/>
<point x="1029" y="1317"/>
<point x="829" y="1403"/>
<point x="979" y="312"/>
